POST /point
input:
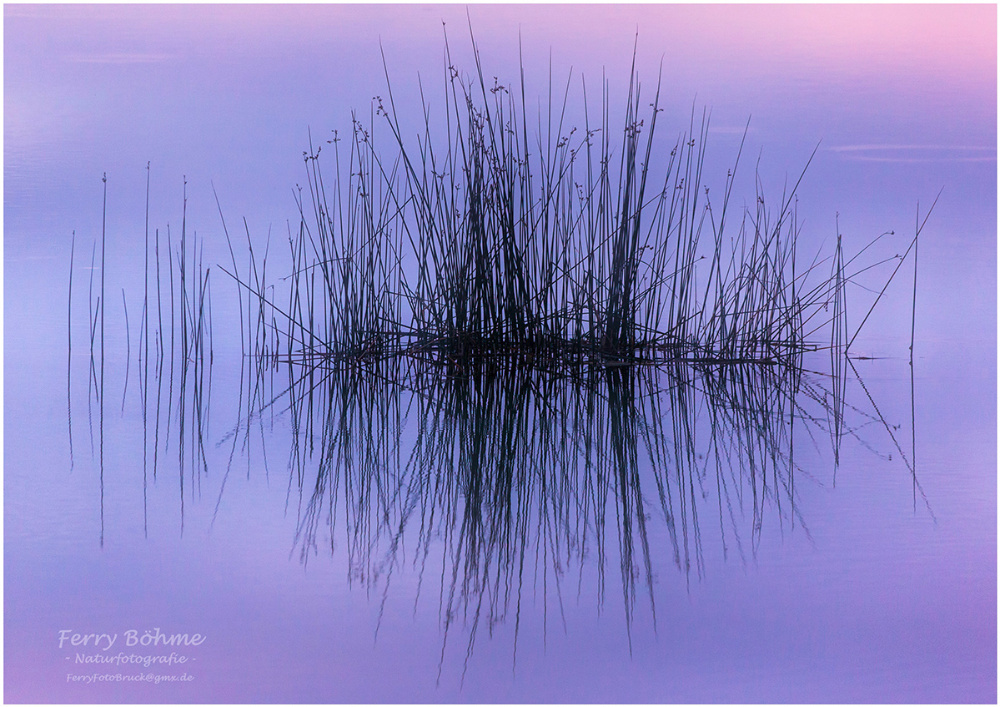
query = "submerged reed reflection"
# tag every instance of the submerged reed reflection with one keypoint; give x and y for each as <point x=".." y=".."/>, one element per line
<point x="516" y="478"/>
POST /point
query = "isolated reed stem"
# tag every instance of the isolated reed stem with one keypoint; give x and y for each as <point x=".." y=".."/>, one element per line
<point x="913" y="315"/>
<point x="69" y="348"/>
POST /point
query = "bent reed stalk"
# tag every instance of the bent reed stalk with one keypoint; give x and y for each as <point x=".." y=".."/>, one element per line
<point x="477" y="240"/>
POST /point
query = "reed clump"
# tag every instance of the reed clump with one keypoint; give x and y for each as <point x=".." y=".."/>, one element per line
<point x="483" y="238"/>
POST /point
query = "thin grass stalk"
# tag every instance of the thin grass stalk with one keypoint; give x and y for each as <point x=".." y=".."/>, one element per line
<point x="69" y="348"/>
<point x="145" y="306"/>
<point x="101" y="302"/>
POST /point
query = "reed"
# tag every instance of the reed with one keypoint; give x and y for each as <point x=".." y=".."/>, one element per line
<point x="101" y="304"/>
<point x="189" y="311"/>
<point x="145" y="299"/>
<point x="594" y="245"/>
<point x="69" y="348"/>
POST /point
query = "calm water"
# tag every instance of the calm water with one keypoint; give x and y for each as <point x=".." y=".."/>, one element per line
<point x="657" y="537"/>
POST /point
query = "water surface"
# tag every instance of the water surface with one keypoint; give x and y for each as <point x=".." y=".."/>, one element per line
<point x="461" y="543"/>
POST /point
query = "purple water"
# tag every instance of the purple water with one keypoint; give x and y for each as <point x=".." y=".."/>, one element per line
<point x="868" y="580"/>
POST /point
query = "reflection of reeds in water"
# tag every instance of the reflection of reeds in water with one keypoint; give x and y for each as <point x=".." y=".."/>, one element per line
<point x="510" y="478"/>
